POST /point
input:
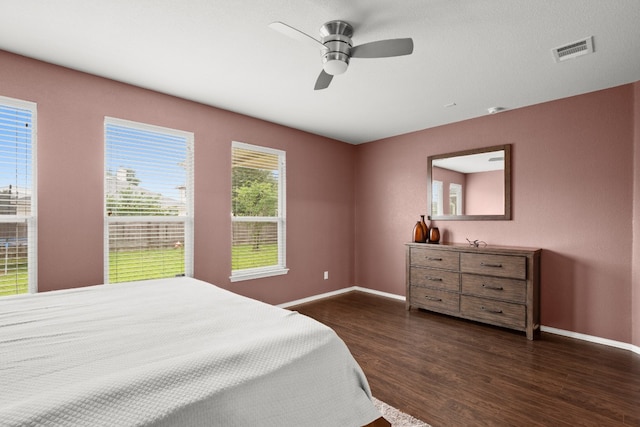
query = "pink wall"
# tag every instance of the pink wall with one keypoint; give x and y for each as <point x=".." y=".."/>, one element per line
<point x="485" y="193"/>
<point x="572" y="196"/>
<point x="71" y="111"/>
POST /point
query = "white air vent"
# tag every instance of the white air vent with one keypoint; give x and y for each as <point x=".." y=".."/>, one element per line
<point x="573" y="50"/>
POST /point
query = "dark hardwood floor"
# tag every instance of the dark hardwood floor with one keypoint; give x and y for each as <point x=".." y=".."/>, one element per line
<point x="452" y="372"/>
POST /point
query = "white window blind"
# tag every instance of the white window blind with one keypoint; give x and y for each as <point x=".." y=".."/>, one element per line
<point x="437" y="207"/>
<point x="17" y="197"/>
<point x="148" y="202"/>
<point x="455" y="199"/>
<point x="258" y="212"/>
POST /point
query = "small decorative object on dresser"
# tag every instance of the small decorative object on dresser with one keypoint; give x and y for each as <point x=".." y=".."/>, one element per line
<point x="425" y="228"/>
<point x="499" y="285"/>
<point x="434" y="235"/>
<point x="420" y="231"/>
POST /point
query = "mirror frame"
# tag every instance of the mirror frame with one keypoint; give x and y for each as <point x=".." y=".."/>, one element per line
<point x="507" y="184"/>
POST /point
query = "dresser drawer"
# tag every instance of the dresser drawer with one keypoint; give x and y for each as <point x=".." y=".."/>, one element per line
<point x="434" y="299"/>
<point x="434" y="258"/>
<point x="494" y="265"/>
<point x="433" y="278"/>
<point x="494" y="287"/>
<point x="495" y="312"/>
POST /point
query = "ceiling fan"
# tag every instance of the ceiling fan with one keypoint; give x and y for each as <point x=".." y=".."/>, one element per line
<point x="337" y="49"/>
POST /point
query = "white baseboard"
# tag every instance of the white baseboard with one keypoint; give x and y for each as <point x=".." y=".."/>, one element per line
<point x="338" y="292"/>
<point x="570" y="334"/>
<point x="316" y="297"/>
<point x="591" y="338"/>
<point x="380" y="293"/>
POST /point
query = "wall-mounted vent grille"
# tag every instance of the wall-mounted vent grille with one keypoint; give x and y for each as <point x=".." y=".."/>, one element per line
<point x="573" y="50"/>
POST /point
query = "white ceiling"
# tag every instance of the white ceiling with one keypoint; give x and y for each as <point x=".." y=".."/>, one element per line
<point x="472" y="163"/>
<point x="474" y="53"/>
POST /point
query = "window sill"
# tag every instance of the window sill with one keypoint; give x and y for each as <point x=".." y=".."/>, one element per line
<point x="257" y="274"/>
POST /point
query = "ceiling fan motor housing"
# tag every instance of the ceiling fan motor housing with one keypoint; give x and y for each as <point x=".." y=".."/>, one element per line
<point x="336" y="37"/>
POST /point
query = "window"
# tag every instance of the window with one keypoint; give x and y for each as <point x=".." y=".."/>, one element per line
<point x="455" y="199"/>
<point x="258" y="212"/>
<point x="148" y="180"/>
<point x="17" y="197"/>
<point x="436" y="198"/>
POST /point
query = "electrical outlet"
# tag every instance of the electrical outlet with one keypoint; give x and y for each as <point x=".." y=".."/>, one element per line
<point x="326" y="275"/>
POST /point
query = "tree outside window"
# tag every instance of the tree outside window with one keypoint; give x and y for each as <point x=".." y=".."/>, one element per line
<point x="257" y="211"/>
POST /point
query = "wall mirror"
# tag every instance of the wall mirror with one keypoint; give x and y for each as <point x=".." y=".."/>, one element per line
<point x="470" y="185"/>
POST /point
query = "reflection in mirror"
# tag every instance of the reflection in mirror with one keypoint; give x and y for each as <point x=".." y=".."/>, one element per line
<point x="470" y="185"/>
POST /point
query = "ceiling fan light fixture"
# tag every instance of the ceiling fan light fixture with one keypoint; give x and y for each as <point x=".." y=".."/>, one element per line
<point x="335" y="63"/>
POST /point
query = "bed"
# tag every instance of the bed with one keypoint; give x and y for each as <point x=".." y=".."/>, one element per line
<point x="172" y="352"/>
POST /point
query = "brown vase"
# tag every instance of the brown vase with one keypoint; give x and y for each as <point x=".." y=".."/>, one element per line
<point x="419" y="236"/>
<point x="434" y="235"/>
<point x="425" y="228"/>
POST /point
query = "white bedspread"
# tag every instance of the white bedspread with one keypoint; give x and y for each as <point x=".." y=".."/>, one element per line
<point x="172" y="352"/>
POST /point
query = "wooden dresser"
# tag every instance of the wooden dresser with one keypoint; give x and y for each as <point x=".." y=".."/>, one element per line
<point x="499" y="285"/>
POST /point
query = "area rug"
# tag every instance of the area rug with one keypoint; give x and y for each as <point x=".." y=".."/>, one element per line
<point x="397" y="418"/>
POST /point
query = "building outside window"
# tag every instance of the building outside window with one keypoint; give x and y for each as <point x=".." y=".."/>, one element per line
<point x="18" y="249"/>
<point x="148" y="180"/>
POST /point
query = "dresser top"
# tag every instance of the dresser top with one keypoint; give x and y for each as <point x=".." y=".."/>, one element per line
<point x="466" y="247"/>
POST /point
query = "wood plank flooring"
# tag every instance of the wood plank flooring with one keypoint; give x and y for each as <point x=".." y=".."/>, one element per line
<point x="452" y="372"/>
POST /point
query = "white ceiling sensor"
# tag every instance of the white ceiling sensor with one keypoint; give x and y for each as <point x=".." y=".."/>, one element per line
<point x="573" y="50"/>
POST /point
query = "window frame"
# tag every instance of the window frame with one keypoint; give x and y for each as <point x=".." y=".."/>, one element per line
<point x="437" y="197"/>
<point x="455" y="198"/>
<point x="280" y="218"/>
<point x="187" y="219"/>
<point x="31" y="219"/>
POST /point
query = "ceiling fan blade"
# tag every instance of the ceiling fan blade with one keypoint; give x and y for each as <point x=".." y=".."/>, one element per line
<point x="323" y="81"/>
<point x="296" y="34"/>
<point x="383" y="49"/>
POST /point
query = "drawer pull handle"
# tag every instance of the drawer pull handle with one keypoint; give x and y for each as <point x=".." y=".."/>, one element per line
<point x="430" y="258"/>
<point x="486" y="264"/>
<point x="490" y="310"/>
<point x="433" y="298"/>
<point x="493" y="288"/>
<point x="434" y="279"/>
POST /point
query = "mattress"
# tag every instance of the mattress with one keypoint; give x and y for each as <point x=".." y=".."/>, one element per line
<point x="172" y="352"/>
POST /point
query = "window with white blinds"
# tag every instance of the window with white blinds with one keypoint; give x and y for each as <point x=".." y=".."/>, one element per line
<point x="437" y="207"/>
<point x="258" y="212"/>
<point x="455" y="199"/>
<point x="17" y="197"/>
<point x="148" y="180"/>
